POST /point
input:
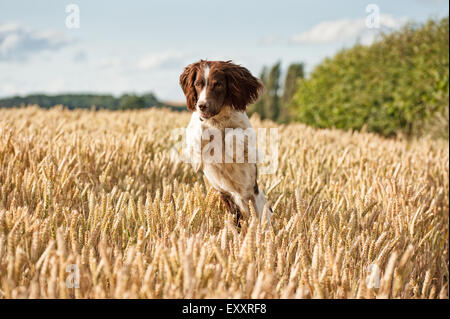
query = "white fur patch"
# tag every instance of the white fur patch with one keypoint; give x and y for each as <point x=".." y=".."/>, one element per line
<point x="192" y="152"/>
<point x="260" y="201"/>
<point x="202" y="97"/>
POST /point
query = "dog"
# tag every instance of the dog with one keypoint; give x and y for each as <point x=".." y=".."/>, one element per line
<point x="218" y="92"/>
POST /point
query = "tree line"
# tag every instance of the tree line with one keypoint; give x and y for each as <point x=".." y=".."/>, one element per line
<point x="277" y="95"/>
<point x="87" y="101"/>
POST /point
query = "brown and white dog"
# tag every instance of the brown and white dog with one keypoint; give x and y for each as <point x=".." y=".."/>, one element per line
<point x="218" y="92"/>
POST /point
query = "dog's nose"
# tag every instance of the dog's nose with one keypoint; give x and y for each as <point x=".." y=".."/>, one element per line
<point x="202" y="106"/>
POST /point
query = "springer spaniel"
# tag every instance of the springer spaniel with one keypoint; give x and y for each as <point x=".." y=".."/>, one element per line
<point x="218" y="92"/>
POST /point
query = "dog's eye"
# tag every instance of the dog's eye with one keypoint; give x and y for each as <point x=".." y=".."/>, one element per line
<point x="217" y="84"/>
<point x="198" y="83"/>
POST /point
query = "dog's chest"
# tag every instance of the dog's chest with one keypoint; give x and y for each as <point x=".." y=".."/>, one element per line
<point x="222" y="169"/>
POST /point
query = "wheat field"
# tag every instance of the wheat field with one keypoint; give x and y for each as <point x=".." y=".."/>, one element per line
<point x="355" y="215"/>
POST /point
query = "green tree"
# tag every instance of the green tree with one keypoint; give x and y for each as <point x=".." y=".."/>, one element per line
<point x="294" y="73"/>
<point x="271" y="97"/>
<point x="258" y="107"/>
<point x="150" y="100"/>
<point x="132" y="101"/>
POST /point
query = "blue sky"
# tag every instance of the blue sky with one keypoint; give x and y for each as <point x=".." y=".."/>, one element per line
<point x="141" y="46"/>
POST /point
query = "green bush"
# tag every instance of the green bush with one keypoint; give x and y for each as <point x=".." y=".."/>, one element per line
<point x="398" y="84"/>
<point x="131" y="102"/>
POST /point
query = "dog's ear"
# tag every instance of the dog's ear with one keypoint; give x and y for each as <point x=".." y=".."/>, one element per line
<point x="243" y="87"/>
<point x="187" y="79"/>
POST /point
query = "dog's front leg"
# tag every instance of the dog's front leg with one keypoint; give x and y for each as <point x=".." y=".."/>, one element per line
<point x="231" y="207"/>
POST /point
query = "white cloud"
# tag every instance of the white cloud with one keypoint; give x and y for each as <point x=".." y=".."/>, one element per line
<point x="18" y="42"/>
<point x="163" y="60"/>
<point x="8" y="27"/>
<point x="9" y="42"/>
<point x="346" y="29"/>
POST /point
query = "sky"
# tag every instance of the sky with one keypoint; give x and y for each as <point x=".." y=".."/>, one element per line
<point x="116" y="47"/>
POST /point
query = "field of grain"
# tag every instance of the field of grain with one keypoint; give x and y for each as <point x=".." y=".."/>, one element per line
<point x="97" y="192"/>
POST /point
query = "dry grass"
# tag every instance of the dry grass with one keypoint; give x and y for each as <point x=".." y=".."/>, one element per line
<point x="99" y="190"/>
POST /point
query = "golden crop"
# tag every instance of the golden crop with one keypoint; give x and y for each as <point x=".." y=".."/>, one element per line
<point x="98" y="190"/>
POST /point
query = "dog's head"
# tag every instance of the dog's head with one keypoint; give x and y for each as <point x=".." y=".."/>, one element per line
<point x="211" y="85"/>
